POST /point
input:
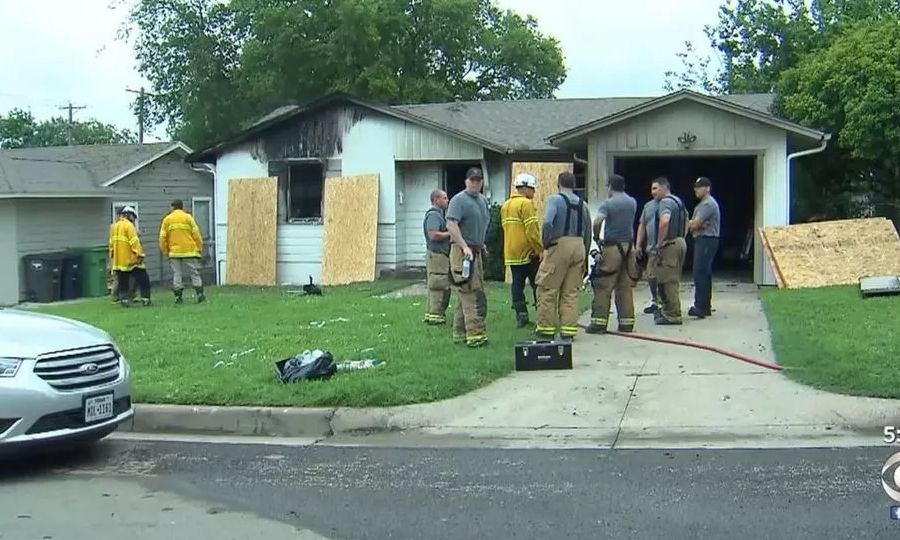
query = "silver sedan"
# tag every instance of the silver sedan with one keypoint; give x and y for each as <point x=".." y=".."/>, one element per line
<point x="61" y="381"/>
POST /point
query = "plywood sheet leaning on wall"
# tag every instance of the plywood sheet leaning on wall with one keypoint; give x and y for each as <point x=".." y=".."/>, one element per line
<point x="547" y="175"/>
<point x="351" y="229"/>
<point x="252" y="224"/>
<point x="828" y="253"/>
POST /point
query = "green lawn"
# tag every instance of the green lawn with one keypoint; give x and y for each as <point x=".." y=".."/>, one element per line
<point x="831" y="338"/>
<point x="175" y="351"/>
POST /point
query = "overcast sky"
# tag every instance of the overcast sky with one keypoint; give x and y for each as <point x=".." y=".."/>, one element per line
<point x="56" y="51"/>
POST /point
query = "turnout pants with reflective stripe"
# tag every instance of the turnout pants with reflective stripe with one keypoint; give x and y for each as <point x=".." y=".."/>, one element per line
<point x="469" y="322"/>
<point x="437" y="266"/>
<point x="559" y="280"/>
<point x="615" y="275"/>
<point x="668" y="267"/>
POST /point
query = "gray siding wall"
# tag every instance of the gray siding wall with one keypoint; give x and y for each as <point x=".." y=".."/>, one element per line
<point x="9" y="267"/>
<point x="154" y="188"/>
<point x="45" y="225"/>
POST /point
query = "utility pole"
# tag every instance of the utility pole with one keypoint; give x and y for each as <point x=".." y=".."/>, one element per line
<point x="71" y="108"/>
<point x="142" y="111"/>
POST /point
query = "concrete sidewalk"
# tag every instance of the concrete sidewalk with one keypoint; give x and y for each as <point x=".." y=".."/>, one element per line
<point x="622" y="393"/>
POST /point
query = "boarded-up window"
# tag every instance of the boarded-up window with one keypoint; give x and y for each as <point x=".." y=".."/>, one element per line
<point x="306" y="182"/>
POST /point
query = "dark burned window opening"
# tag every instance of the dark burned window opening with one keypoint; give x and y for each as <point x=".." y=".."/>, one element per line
<point x="580" y="171"/>
<point x="305" y="191"/>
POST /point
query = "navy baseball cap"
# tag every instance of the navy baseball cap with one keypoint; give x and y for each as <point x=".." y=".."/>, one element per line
<point x="474" y="173"/>
<point x="703" y="182"/>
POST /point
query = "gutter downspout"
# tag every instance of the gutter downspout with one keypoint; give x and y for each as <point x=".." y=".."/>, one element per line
<point x="211" y="169"/>
<point x="823" y="143"/>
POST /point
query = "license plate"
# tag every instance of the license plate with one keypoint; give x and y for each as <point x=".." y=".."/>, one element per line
<point x="98" y="408"/>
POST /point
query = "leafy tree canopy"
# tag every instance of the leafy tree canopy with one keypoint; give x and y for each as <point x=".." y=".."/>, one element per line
<point x="19" y="129"/>
<point x="213" y="64"/>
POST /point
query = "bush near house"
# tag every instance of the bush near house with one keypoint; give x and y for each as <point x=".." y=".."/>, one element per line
<point x="223" y="352"/>
<point x="494" y="269"/>
<point x="833" y="339"/>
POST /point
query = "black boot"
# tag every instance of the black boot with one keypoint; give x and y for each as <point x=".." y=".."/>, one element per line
<point x="179" y="299"/>
<point x="200" y="296"/>
<point x="522" y="319"/>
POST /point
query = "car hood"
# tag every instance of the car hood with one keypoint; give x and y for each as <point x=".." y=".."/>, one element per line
<point x="25" y="334"/>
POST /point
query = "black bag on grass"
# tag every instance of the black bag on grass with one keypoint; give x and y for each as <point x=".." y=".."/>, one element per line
<point x="308" y="366"/>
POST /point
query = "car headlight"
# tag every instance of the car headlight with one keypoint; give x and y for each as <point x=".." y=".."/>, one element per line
<point x="9" y="366"/>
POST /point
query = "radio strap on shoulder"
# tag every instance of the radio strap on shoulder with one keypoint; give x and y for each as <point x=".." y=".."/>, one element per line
<point x="570" y="207"/>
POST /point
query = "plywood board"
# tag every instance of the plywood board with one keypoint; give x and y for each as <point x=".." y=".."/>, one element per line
<point x="252" y="227"/>
<point x="351" y="229"/>
<point x="829" y="253"/>
<point x="547" y="175"/>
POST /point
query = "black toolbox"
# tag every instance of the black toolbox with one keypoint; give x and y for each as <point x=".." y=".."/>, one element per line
<point x="538" y="355"/>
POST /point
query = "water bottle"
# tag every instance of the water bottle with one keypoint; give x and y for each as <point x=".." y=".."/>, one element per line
<point x="467" y="268"/>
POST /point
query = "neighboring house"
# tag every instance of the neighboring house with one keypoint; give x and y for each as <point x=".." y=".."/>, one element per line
<point x="734" y="140"/>
<point x="56" y="198"/>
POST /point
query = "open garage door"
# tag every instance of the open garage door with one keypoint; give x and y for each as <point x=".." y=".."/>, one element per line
<point x="734" y="187"/>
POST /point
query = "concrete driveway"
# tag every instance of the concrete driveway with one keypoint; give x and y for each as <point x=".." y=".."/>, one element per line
<point x="629" y="393"/>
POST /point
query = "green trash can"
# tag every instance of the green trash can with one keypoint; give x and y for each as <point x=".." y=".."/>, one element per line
<point x="93" y="276"/>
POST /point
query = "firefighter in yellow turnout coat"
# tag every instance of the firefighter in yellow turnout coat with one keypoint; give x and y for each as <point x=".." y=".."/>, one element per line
<point x="522" y="245"/>
<point x="180" y="241"/>
<point x="127" y="256"/>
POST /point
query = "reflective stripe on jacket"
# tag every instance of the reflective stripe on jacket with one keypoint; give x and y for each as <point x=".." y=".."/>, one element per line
<point x="521" y="230"/>
<point x="179" y="236"/>
<point x="125" y="250"/>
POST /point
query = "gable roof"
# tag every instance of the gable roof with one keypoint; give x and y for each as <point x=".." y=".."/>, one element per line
<point x="76" y="171"/>
<point x="746" y="110"/>
<point x="527" y="124"/>
<point x="293" y="110"/>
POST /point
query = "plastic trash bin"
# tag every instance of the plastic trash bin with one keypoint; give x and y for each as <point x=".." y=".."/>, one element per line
<point x="93" y="271"/>
<point x="42" y="276"/>
<point x="71" y="276"/>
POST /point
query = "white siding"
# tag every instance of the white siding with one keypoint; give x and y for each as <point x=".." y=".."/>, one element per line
<point x="45" y="225"/>
<point x="371" y="145"/>
<point x="9" y="261"/>
<point x="236" y="163"/>
<point x="718" y="133"/>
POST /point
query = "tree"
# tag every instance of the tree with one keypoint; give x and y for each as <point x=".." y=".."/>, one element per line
<point x="19" y="129"/>
<point x="852" y="89"/>
<point x="757" y="40"/>
<point x="216" y="65"/>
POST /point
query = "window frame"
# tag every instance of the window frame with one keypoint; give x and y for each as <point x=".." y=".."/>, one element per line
<point x="210" y="226"/>
<point x="290" y="166"/>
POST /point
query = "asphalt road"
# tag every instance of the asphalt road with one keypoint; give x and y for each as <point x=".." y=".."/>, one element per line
<point x="254" y="491"/>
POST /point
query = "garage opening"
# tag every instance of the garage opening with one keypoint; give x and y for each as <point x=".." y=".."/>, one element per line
<point x="733" y="181"/>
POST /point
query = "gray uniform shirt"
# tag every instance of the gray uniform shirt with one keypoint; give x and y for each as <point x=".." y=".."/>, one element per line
<point x="618" y="212"/>
<point x="648" y="217"/>
<point x="708" y="210"/>
<point x="435" y="221"/>
<point x="470" y="211"/>
<point x="555" y="220"/>
<point x="677" y="216"/>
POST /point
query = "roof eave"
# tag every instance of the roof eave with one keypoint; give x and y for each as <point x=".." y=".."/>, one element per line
<point x="176" y="146"/>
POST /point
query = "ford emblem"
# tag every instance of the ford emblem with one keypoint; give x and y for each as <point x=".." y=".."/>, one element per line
<point x="90" y="369"/>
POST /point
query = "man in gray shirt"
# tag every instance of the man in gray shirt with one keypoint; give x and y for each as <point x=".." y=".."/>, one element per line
<point x="667" y="256"/>
<point x="467" y="223"/>
<point x="437" y="259"/>
<point x="704" y="227"/>
<point x="616" y="269"/>
<point x="567" y="239"/>
<point x="646" y="236"/>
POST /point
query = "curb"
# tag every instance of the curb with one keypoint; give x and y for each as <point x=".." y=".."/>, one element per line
<point x="247" y="421"/>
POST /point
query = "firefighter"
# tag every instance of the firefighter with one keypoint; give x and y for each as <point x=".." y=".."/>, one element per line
<point x="127" y="256"/>
<point x="616" y="270"/>
<point x="667" y="256"/>
<point x="566" y="236"/>
<point x="468" y="218"/>
<point x="180" y="241"/>
<point x="437" y="258"/>
<point x="522" y="246"/>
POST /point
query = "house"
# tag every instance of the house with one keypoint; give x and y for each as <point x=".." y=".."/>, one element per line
<point x="735" y="140"/>
<point x="56" y="198"/>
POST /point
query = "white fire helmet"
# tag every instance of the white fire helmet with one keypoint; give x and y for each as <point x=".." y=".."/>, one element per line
<point x="526" y="180"/>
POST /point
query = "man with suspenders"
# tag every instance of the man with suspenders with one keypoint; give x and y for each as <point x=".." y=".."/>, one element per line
<point x="566" y="235"/>
<point x="437" y="259"/>
<point x="667" y="256"/>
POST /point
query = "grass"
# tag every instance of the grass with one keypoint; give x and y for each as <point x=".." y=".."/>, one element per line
<point x="201" y="354"/>
<point x="833" y="339"/>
